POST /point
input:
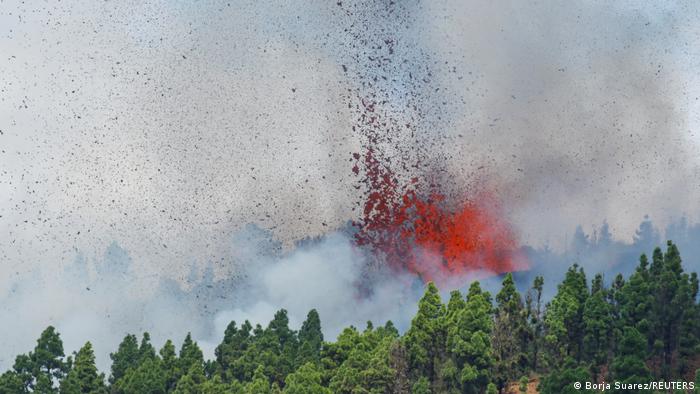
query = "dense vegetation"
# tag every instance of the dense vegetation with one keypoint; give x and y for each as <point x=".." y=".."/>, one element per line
<point x="643" y="328"/>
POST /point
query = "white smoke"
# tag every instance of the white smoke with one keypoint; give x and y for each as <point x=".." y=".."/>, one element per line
<point x="327" y="274"/>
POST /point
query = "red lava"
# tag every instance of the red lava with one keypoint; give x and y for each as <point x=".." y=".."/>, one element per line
<point x="425" y="234"/>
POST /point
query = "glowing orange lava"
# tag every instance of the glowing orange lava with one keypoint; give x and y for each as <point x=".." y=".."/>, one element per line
<point x="428" y="235"/>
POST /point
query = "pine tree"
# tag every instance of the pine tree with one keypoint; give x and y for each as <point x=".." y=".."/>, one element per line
<point x="689" y="345"/>
<point x="147" y="377"/>
<point x="310" y="339"/>
<point x="276" y="348"/>
<point x="510" y="335"/>
<point x="491" y="389"/>
<point x="673" y="292"/>
<point x="126" y="356"/>
<point x="334" y="354"/>
<point x="657" y="263"/>
<point x="423" y="339"/>
<point x="628" y="366"/>
<point x="11" y="383"/>
<point x="146" y="350"/>
<point x="367" y="367"/>
<point x="216" y="385"/>
<point x="561" y="380"/>
<point x="192" y="381"/>
<point x="615" y="298"/>
<point x="598" y="325"/>
<point x="169" y="365"/>
<point x="535" y="322"/>
<point x="84" y="377"/>
<point x="305" y="380"/>
<point x="228" y="350"/>
<point x="260" y="383"/>
<point x="190" y="355"/>
<point x="421" y="386"/>
<point x="45" y="364"/>
<point x="398" y="361"/>
<point x="455" y="305"/>
<point x="469" y="342"/>
<point x="230" y="353"/>
<point x="564" y="318"/>
<point x="637" y="298"/>
<point x="448" y="374"/>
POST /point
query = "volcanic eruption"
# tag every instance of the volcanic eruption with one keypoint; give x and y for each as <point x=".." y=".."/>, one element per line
<point x="422" y="231"/>
<point x="413" y="217"/>
<point x="415" y="221"/>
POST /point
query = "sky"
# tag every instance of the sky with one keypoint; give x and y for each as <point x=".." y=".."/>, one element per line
<point x="167" y="126"/>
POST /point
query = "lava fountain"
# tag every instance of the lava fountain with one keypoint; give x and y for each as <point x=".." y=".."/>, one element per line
<point x="410" y="219"/>
<point x="423" y="232"/>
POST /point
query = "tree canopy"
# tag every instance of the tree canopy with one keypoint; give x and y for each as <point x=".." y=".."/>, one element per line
<point x="631" y="330"/>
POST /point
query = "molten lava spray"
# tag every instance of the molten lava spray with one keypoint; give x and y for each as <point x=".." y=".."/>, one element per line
<point x="424" y="233"/>
<point x="411" y="219"/>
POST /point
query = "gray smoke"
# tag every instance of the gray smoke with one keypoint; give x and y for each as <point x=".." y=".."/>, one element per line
<point x="580" y="113"/>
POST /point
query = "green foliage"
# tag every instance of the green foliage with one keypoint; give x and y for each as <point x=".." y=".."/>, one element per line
<point x="422" y="386"/>
<point x="190" y="354"/>
<point x="455" y="304"/>
<point x="146" y="350"/>
<point x="305" y="380"/>
<point x="169" y="365"/>
<point x="367" y="366"/>
<point x="510" y="337"/>
<point x="469" y="342"/>
<point x="689" y="335"/>
<point x="637" y="298"/>
<point x="216" y="386"/>
<point x="231" y="354"/>
<point x="127" y="356"/>
<point x="564" y="317"/>
<point x="310" y="339"/>
<point x="671" y="313"/>
<point x="84" y="377"/>
<point x="11" y="382"/>
<point x="279" y="345"/>
<point x="628" y="366"/>
<point x="260" y="383"/>
<point x="637" y="330"/>
<point x="424" y="337"/>
<point x="535" y="324"/>
<point x="148" y="377"/>
<point x="561" y="380"/>
<point x="192" y="381"/>
<point x="38" y="370"/>
<point x="598" y="325"/>
<point x="522" y="384"/>
<point x="334" y="354"/>
<point x="491" y="389"/>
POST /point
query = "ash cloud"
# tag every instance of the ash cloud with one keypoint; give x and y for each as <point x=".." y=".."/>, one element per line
<point x="579" y="114"/>
<point x="175" y="124"/>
